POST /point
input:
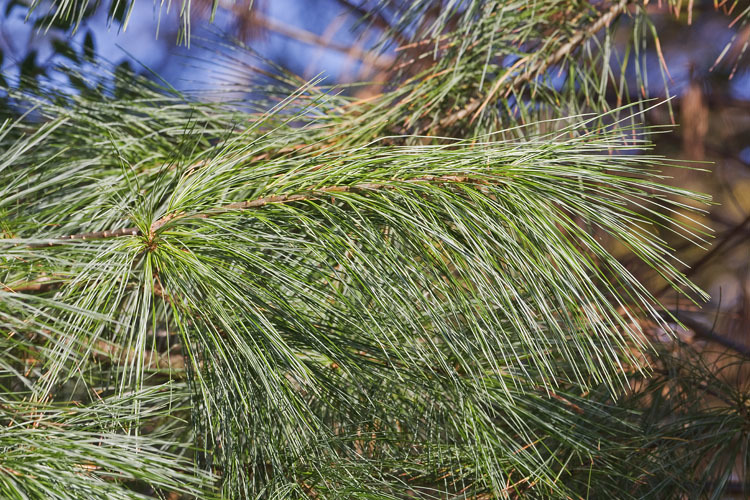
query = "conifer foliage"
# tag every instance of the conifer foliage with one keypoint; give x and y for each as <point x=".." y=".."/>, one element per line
<point x="324" y="295"/>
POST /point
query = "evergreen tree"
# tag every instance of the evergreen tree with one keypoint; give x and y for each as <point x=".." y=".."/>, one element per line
<point x="318" y="294"/>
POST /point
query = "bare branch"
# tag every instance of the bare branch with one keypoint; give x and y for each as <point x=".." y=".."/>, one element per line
<point x="704" y="332"/>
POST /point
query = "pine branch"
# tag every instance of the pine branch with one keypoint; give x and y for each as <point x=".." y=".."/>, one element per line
<point x="246" y="205"/>
<point x="477" y="105"/>
<point x="409" y="316"/>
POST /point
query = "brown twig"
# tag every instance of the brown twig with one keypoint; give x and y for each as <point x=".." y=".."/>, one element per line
<point x="39" y="285"/>
<point x="729" y="236"/>
<point x="381" y="62"/>
<point x="153" y="360"/>
<point x="704" y="332"/>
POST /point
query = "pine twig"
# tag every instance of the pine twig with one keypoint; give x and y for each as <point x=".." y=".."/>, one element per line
<point x="94" y="235"/>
